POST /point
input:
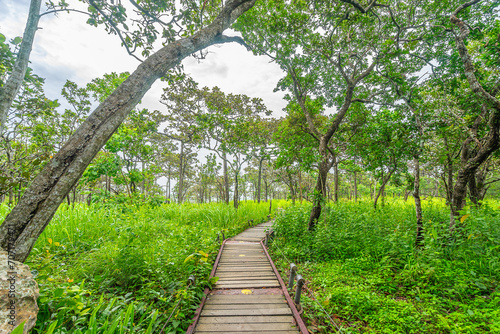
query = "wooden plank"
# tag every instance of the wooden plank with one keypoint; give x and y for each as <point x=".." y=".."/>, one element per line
<point x="241" y="306"/>
<point x="246" y="319"/>
<point x="245" y="297"/>
<point x="246" y="286"/>
<point x="242" y="301"/>
<point x="253" y="332"/>
<point x="246" y="312"/>
<point x="247" y="281"/>
<point x="220" y="328"/>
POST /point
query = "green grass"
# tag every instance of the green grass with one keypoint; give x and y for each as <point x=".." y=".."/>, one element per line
<point x="123" y="267"/>
<point x="367" y="274"/>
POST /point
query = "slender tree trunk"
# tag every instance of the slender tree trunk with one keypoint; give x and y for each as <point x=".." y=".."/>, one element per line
<point x="381" y="189"/>
<point x="236" y="195"/>
<point x="355" y="187"/>
<point x="290" y="185"/>
<point x="300" y="186"/>
<point x="226" y="178"/>
<point x="11" y="87"/>
<point x="259" y="180"/>
<point x="181" y="174"/>
<point x="418" y="204"/>
<point x="336" y="180"/>
<point x="40" y="201"/>
<point x="11" y="197"/>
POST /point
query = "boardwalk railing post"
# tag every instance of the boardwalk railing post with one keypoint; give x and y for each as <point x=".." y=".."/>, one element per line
<point x="191" y="280"/>
<point x="223" y="236"/>
<point x="298" y="291"/>
<point x="218" y="238"/>
<point x="293" y="271"/>
<point x="267" y="238"/>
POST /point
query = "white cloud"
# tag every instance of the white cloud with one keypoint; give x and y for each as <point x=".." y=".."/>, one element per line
<point x="67" y="48"/>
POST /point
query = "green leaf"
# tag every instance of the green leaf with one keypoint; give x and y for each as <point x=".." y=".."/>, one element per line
<point x="17" y="40"/>
<point x="19" y="329"/>
<point x="2" y="38"/>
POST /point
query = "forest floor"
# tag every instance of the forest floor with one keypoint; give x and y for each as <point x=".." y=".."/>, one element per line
<point x="122" y="266"/>
<point x="362" y="267"/>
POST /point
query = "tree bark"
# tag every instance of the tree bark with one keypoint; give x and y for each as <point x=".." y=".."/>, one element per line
<point x="336" y="181"/>
<point x="236" y="194"/>
<point x="355" y="187"/>
<point x="226" y="178"/>
<point x="259" y="181"/>
<point x="382" y="186"/>
<point x="320" y="189"/>
<point x="9" y="91"/>
<point x="418" y="205"/>
<point x="40" y="201"/>
<point x="181" y="174"/>
<point x="490" y="142"/>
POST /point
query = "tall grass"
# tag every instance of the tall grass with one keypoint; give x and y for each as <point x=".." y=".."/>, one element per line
<point x="116" y="267"/>
<point x="366" y="269"/>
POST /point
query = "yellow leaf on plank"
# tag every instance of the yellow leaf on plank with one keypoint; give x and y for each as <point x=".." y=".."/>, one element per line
<point x="246" y="292"/>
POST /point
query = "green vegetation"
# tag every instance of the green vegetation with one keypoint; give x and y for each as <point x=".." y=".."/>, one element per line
<point x="121" y="267"/>
<point x="364" y="269"/>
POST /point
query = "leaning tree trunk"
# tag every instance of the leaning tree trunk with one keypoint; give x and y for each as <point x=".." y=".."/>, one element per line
<point x="381" y="189"/>
<point x="9" y="91"/>
<point x="28" y="219"/>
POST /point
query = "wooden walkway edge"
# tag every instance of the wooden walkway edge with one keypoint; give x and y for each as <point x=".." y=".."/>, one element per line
<point x="250" y="297"/>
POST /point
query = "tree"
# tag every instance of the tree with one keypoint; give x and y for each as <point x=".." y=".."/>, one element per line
<point x="34" y="211"/>
<point x="10" y="88"/>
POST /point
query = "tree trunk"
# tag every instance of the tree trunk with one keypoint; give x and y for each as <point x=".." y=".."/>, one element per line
<point x="319" y="192"/>
<point x="355" y="187"/>
<point x="300" y="186"/>
<point x="418" y="204"/>
<point x="336" y="181"/>
<point x="226" y="178"/>
<point x="11" y="87"/>
<point x="236" y="195"/>
<point x="381" y="189"/>
<point x="40" y="201"/>
<point x="181" y="174"/>
<point x="259" y="180"/>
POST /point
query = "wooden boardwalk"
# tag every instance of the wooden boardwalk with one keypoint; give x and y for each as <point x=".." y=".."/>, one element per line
<point x="248" y="297"/>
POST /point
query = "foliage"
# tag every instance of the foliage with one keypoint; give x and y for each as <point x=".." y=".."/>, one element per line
<point x="365" y="271"/>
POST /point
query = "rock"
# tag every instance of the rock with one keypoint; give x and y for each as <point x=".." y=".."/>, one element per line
<point x="18" y="295"/>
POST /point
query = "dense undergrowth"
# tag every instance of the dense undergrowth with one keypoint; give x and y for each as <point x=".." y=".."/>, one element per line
<point x="122" y="266"/>
<point x="366" y="273"/>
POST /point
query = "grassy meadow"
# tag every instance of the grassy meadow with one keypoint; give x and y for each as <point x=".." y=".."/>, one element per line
<point x="123" y="267"/>
<point x="366" y="273"/>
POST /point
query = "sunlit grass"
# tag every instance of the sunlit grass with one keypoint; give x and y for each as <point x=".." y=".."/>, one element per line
<point x="129" y="254"/>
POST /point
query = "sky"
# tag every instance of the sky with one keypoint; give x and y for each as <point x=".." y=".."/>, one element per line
<point x="66" y="48"/>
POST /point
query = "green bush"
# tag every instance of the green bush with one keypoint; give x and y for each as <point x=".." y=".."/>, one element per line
<point x="366" y="271"/>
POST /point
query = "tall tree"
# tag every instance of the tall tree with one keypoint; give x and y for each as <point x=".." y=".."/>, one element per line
<point x="34" y="211"/>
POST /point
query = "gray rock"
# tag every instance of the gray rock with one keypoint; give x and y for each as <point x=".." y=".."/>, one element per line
<point x="18" y="294"/>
